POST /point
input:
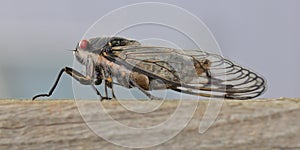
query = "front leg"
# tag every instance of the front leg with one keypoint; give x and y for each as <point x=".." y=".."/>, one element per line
<point x="90" y="74"/>
<point x="76" y="75"/>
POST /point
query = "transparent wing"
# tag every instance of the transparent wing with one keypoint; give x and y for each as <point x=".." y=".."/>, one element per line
<point x="191" y="71"/>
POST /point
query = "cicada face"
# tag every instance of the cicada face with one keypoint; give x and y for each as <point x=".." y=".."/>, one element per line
<point x="89" y="47"/>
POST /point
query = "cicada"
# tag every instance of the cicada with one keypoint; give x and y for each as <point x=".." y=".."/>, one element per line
<point x="128" y="63"/>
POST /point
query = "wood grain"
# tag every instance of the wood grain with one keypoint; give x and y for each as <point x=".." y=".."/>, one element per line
<point x="58" y="124"/>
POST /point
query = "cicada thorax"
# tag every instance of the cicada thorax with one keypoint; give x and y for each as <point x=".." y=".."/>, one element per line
<point x="124" y="76"/>
<point x="118" y="42"/>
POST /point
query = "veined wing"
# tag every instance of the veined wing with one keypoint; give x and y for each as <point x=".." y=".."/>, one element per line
<point x="191" y="71"/>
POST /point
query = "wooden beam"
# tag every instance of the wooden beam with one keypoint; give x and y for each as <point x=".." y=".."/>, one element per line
<point x="58" y="124"/>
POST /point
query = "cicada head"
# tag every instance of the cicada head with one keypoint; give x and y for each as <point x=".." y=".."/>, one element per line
<point x="94" y="46"/>
<point x="89" y="48"/>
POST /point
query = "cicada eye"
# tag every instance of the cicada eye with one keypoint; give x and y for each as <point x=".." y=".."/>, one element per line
<point x="83" y="44"/>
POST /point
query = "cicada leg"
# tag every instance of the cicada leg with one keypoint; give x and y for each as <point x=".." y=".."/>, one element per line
<point x="109" y="83"/>
<point x="77" y="76"/>
<point x="105" y="89"/>
<point x="113" y="93"/>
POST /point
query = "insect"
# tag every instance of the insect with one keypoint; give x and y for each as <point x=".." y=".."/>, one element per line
<point x="128" y="63"/>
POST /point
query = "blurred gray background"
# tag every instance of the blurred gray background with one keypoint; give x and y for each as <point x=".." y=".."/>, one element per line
<point x="263" y="35"/>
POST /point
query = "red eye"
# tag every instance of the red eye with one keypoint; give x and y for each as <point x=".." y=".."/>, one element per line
<point x="83" y="44"/>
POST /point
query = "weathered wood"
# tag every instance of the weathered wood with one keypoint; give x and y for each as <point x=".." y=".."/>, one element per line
<point x="57" y="124"/>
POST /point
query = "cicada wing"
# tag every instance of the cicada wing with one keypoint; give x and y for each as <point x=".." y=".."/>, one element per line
<point x="191" y="71"/>
<point x="239" y="82"/>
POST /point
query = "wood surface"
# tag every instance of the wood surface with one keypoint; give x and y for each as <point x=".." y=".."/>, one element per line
<point x="58" y="124"/>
